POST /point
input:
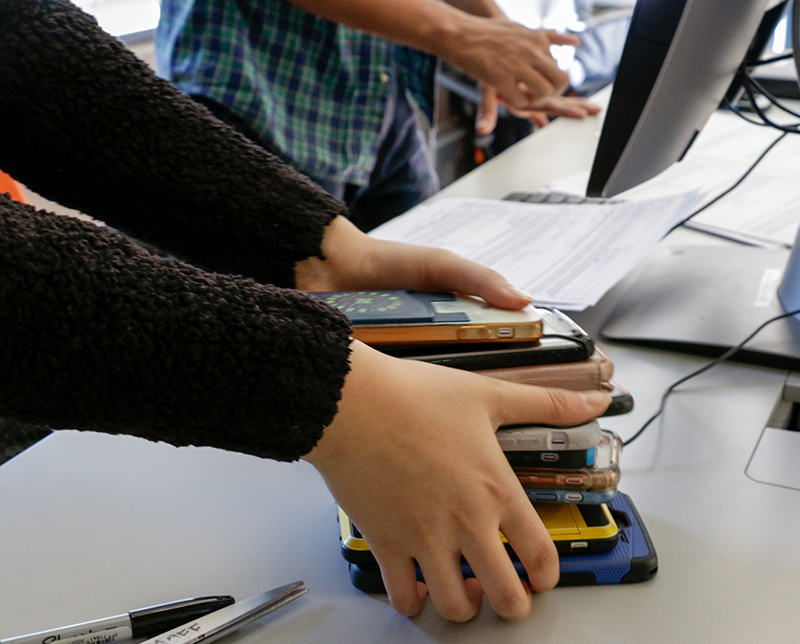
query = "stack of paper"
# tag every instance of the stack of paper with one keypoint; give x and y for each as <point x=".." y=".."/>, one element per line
<point x="761" y="211"/>
<point x="566" y="256"/>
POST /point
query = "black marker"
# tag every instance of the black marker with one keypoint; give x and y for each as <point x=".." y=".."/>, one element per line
<point x="143" y="622"/>
<point x="226" y="620"/>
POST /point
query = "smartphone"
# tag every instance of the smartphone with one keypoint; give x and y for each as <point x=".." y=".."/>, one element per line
<point x="586" y="479"/>
<point x="557" y="459"/>
<point x="514" y="438"/>
<point x="570" y="496"/>
<point x="408" y="317"/>
<point x="560" y="456"/>
<point x="585" y="528"/>
<point x="602" y="476"/>
<point x="621" y="400"/>
<point x="632" y="560"/>
<point x="562" y="341"/>
<point x="573" y="528"/>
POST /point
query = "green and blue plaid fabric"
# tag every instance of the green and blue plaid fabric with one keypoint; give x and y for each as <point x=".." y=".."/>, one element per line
<point x="316" y="91"/>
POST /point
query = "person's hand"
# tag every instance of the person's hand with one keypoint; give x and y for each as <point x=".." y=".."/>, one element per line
<point x="355" y="261"/>
<point x="570" y="106"/>
<point x="472" y="35"/>
<point x="513" y="59"/>
<point x="412" y="458"/>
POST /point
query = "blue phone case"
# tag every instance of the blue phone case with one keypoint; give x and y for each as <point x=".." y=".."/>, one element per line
<point x="632" y="560"/>
<point x="570" y="496"/>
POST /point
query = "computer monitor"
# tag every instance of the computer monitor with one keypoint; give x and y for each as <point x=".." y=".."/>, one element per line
<point x="679" y="60"/>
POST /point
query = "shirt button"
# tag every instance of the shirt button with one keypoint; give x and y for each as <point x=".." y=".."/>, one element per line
<point x="383" y="77"/>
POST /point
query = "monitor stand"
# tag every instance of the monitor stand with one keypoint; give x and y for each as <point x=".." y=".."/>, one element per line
<point x="706" y="299"/>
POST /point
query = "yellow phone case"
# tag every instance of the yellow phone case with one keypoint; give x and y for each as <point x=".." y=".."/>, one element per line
<point x="575" y="529"/>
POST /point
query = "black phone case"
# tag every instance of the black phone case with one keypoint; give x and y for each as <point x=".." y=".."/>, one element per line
<point x="574" y="345"/>
<point x="621" y="401"/>
<point x="557" y="459"/>
<point x="632" y="560"/>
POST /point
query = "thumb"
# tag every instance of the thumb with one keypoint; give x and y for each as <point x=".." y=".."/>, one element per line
<point x="551" y="406"/>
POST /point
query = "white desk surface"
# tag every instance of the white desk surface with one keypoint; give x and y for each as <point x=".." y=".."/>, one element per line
<point x="93" y="525"/>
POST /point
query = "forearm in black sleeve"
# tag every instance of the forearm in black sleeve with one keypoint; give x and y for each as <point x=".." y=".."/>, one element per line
<point x="87" y="124"/>
<point x="97" y="334"/>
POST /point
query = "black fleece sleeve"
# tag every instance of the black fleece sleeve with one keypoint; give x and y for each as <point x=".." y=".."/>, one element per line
<point x="98" y="334"/>
<point x="87" y="124"/>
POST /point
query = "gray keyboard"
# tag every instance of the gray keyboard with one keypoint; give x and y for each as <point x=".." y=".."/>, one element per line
<point x="554" y="197"/>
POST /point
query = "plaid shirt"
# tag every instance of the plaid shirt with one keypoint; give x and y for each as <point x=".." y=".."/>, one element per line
<point x="315" y="90"/>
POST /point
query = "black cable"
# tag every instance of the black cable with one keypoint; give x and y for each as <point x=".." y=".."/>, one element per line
<point x="752" y="121"/>
<point x="748" y="88"/>
<point x="733" y="187"/>
<point x="730" y="352"/>
<point x="769" y="61"/>
<point x="733" y="350"/>
<point x="749" y="84"/>
<point x="771" y="97"/>
<point x="765" y="122"/>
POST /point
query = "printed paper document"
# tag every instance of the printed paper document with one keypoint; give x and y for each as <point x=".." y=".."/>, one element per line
<point x="761" y="211"/>
<point x="566" y="256"/>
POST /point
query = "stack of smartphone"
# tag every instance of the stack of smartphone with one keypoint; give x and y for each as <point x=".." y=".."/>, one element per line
<point x="570" y="474"/>
<point x="564" y="464"/>
<point x="537" y="345"/>
<point x="563" y="356"/>
<point x="623" y="552"/>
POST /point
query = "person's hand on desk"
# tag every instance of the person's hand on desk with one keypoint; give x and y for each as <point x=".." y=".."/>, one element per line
<point x="355" y="261"/>
<point x="411" y="454"/>
<point x="412" y="458"/>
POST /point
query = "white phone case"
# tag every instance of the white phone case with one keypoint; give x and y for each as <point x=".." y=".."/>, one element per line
<point x="536" y="438"/>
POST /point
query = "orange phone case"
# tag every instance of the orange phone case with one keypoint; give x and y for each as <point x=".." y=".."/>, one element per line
<point x="446" y="333"/>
